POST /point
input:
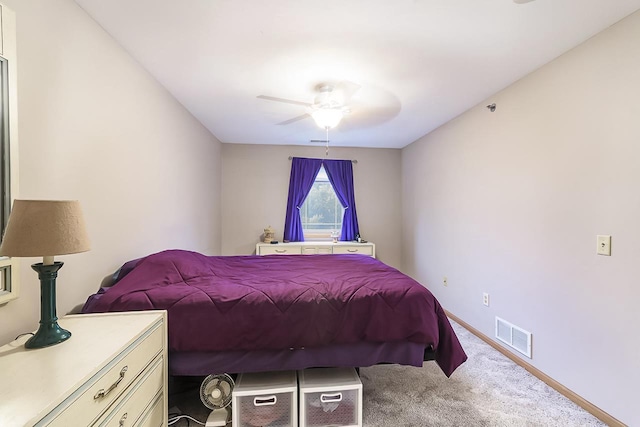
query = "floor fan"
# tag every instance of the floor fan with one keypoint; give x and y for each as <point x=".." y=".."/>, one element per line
<point x="215" y="394"/>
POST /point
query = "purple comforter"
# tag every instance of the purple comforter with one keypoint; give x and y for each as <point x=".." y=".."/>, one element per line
<point x="282" y="301"/>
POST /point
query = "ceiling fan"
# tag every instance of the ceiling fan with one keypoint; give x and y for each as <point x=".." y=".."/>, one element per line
<point x="365" y="106"/>
<point x="329" y="106"/>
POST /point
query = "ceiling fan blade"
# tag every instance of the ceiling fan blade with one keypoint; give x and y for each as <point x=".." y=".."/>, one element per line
<point x="295" y="119"/>
<point x="348" y="89"/>
<point x="363" y="117"/>
<point x="287" y="101"/>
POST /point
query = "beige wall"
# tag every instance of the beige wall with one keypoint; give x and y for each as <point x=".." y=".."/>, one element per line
<point x="94" y="126"/>
<point x="510" y="203"/>
<point x="255" y="182"/>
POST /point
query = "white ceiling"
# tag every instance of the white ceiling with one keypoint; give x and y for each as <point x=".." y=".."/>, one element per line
<point x="419" y="63"/>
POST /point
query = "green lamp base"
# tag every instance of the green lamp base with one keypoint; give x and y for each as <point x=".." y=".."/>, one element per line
<point x="49" y="333"/>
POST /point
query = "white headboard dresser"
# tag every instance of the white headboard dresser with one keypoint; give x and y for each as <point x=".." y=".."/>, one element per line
<point x="309" y="248"/>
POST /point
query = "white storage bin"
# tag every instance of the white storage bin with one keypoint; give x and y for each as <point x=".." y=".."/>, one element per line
<point x="330" y="397"/>
<point x="265" y="399"/>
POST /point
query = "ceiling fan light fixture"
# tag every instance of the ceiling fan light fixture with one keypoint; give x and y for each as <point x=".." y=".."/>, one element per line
<point x="327" y="118"/>
<point x="328" y="96"/>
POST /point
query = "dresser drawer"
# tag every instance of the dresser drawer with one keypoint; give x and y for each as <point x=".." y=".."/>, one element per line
<point x="154" y="415"/>
<point x="137" y="398"/>
<point x="316" y="250"/>
<point x="109" y="383"/>
<point x="280" y="250"/>
<point x="354" y="249"/>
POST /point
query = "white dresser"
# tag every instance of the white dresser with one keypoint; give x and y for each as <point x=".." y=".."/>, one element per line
<point x="111" y="372"/>
<point x="310" y="248"/>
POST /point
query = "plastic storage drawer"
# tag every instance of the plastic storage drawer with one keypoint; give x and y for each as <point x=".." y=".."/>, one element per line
<point x="330" y="397"/>
<point x="265" y="399"/>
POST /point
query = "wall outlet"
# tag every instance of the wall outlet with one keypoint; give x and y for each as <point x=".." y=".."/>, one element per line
<point x="444" y="281"/>
<point x="485" y="299"/>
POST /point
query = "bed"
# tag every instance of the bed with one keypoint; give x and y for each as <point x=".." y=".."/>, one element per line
<point x="281" y="312"/>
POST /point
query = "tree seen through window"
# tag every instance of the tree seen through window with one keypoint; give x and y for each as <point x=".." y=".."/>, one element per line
<point x="321" y="213"/>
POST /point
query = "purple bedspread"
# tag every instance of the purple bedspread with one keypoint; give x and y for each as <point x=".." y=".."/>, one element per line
<point x="217" y="303"/>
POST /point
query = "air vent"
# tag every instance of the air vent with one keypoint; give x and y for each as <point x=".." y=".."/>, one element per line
<point x="513" y="336"/>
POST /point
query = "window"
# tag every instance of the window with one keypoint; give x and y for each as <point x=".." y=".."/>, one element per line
<point x="5" y="170"/>
<point x="304" y="173"/>
<point x="8" y="145"/>
<point x="321" y="213"/>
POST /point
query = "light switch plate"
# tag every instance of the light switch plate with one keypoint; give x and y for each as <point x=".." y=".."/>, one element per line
<point x="604" y="245"/>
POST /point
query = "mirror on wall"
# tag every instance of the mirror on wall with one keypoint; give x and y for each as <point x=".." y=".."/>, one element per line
<point x="9" y="277"/>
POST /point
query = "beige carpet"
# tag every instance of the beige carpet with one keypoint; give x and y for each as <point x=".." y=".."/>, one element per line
<point x="487" y="390"/>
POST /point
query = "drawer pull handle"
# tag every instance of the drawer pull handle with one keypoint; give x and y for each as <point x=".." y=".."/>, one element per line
<point x="281" y="251"/>
<point x="352" y="250"/>
<point x="328" y="398"/>
<point x="265" y="401"/>
<point x="102" y="393"/>
<point x="122" y="420"/>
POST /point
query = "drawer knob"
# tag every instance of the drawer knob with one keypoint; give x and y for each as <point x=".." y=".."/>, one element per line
<point x="102" y="392"/>
<point x="352" y="250"/>
<point x="122" y="420"/>
<point x="281" y="251"/>
<point x="265" y="401"/>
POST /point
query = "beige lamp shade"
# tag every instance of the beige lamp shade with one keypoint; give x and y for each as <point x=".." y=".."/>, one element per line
<point x="45" y="228"/>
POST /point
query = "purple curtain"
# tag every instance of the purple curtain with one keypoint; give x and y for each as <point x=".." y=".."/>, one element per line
<point x="340" y="174"/>
<point x="303" y="174"/>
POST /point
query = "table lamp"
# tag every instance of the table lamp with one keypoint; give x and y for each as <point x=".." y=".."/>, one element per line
<point x="45" y="228"/>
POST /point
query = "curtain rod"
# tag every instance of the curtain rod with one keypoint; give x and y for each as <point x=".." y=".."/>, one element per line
<point x="352" y="161"/>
